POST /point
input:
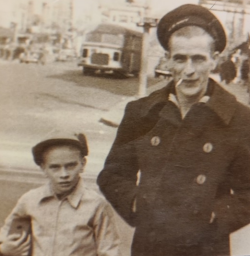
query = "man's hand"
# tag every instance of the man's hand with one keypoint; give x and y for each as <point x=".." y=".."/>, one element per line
<point x="16" y="245"/>
<point x="134" y="205"/>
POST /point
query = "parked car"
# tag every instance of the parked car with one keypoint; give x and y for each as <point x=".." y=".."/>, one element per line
<point x="162" y="69"/>
<point x="66" y="54"/>
<point x="32" y="55"/>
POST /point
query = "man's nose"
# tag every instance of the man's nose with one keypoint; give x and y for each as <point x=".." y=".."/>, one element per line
<point x="189" y="68"/>
<point x="64" y="173"/>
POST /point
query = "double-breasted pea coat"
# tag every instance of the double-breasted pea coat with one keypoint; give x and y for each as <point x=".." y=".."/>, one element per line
<point x="194" y="182"/>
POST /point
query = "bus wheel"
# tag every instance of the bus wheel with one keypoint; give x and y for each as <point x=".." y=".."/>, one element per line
<point x="88" y="71"/>
<point x="136" y="73"/>
<point x="121" y="74"/>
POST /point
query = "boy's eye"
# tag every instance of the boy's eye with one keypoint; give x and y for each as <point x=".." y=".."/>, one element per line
<point x="71" y="165"/>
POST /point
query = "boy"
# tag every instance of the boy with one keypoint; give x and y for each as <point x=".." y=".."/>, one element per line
<point x="65" y="217"/>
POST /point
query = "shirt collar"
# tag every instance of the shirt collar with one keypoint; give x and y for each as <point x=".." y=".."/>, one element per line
<point x="217" y="99"/>
<point x="74" y="198"/>
<point x="173" y="98"/>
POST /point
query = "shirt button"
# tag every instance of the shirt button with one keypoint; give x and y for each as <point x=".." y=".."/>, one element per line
<point x="208" y="147"/>
<point x="201" y="179"/>
<point x="155" y="141"/>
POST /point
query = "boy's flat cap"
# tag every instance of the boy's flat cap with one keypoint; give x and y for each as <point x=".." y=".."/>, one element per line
<point x="77" y="140"/>
<point x="191" y="15"/>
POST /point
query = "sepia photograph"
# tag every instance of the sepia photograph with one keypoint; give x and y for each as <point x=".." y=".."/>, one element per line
<point x="125" y="128"/>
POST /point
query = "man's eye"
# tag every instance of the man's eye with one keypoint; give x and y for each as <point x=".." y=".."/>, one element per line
<point x="54" y="167"/>
<point x="198" y="58"/>
<point x="180" y="59"/>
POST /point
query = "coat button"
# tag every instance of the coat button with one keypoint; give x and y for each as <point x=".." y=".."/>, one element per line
<point x="208" y="147"/>
<point x="155" y="141"/>
<point x="201" y="179"/>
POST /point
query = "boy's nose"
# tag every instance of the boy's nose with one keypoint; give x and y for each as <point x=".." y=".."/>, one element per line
<point x="64" y="173"/>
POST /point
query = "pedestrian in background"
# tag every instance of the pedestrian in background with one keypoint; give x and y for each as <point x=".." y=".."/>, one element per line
<point x="190" y="142"/>
<point x="228" y="70"/>
<point x="245" y="72"/>
<point x="65" y="217"/>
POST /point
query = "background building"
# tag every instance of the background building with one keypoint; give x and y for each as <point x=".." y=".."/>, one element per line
<point x="235" y="16"/>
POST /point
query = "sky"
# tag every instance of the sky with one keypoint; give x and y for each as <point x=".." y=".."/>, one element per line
<point x="158" y="7"/>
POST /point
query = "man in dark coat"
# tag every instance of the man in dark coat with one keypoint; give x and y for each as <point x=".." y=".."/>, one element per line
<point x="228" y="71"/>
<point x="179" y="168"/>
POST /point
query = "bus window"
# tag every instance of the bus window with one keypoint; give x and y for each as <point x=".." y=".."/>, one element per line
<point x="116" y="56"/>
<point x="137" y="43"/>
<point x="105" y="38"/>
<point x="112" y="39"/>
<point x="94" y="37"/>
<point x="85" y="53"/>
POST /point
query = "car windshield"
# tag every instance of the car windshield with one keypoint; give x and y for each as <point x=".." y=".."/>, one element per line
<point x="105" y="38"/>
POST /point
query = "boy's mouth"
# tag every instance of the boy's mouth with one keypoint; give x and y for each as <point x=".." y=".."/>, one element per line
<point x="64" y="183"/>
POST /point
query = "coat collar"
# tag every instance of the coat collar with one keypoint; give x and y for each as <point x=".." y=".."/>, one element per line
<point x="74" y="198"/>
<point x="221" y="102"/>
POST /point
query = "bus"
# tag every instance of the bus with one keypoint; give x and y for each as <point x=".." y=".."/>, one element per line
<point x="113" y="49"/>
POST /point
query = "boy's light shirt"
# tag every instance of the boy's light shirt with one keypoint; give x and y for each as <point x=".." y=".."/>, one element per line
<point x="81" y="224"/>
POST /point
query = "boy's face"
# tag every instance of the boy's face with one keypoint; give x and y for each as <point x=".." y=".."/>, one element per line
<point x="62" y="165"/>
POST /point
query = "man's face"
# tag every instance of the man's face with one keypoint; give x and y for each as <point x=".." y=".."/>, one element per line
<point x="191" y="59"/>
<point x="62" y="165"/>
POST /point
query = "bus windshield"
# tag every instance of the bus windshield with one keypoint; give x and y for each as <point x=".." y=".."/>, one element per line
<point x="105" y="38"/>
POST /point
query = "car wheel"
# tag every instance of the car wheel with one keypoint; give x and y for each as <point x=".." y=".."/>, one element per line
<point x="88" y="71"/>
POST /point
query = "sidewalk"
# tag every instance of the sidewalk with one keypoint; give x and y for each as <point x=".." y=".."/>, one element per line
<point x="114" y="116"/>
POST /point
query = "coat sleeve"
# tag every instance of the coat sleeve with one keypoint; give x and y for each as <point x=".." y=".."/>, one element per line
<point x="233" y="202"/>
<point x="117" y="180"/>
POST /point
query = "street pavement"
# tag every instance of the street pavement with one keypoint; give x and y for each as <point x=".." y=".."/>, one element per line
<point x="37" y="100"/>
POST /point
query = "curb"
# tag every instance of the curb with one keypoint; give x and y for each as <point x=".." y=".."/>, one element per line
<point x="114" y="116"/>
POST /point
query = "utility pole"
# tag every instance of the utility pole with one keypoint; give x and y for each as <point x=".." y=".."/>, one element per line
<point x="244" y="6"/>
<point x="147" y="23"/>
<point x="30" y="15"/>
<point x="71" y="15"/>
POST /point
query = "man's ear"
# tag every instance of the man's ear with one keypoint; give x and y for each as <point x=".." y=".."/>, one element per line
<point x="215" y="58"/>
<point x="84" y="161"/>
<point x="42" y="167"/>
<point x="169" y="60"/>
<point x="167" y="55"/>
